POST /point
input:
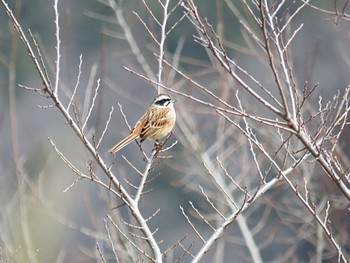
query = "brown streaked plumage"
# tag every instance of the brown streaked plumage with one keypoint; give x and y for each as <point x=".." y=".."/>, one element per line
<point x="157" y="122"/>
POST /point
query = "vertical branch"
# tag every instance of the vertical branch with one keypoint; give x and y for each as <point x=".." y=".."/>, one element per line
<point x="276" y="35"/>
<point x="272" y="37"/>
<point x="58" y="46"/>
<point x="162" y="41"/>
<point x="144" y="179"/>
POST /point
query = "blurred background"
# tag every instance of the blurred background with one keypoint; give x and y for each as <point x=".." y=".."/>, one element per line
<point x="39" y="220"/>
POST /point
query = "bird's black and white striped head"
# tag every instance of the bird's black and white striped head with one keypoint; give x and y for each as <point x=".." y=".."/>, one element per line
<point x="164" y="100"/>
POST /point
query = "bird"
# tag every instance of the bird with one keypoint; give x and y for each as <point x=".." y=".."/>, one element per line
<point x="157" y="122"/>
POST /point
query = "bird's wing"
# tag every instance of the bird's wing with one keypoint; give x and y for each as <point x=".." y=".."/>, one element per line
<point x="156" y="119"/>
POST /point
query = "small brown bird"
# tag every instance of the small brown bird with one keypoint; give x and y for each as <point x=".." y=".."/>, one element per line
<point x="157" y="122"/>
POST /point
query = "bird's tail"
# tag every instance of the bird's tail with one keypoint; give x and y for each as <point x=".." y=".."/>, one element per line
<point x="120" y="145"/>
